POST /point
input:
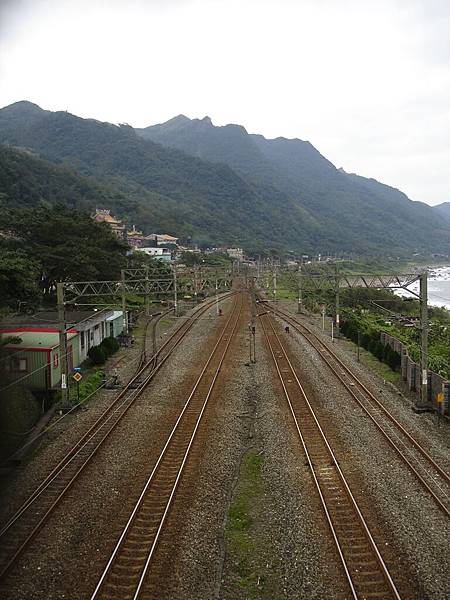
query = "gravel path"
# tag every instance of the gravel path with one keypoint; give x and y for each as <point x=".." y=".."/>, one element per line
<point x="415" y="530"/>
<point x="73" y="543"/>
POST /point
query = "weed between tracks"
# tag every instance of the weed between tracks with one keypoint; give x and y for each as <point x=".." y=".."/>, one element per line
<point x="245" y="544"/>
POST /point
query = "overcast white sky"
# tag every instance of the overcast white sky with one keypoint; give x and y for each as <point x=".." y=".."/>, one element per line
<point x="365" y="81"/>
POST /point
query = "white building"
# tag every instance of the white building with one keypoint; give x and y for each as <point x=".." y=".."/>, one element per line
<point x="158" y="253"/>
<point x="236" y="253"/>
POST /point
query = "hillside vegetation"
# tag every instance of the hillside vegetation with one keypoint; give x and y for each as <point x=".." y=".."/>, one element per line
<point x="352" y="211"/>
<point x="216" y="185"/>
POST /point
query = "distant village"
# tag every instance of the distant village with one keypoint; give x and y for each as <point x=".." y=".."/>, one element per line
<point x="33" y="351"/>
<point x="158" y="245"/>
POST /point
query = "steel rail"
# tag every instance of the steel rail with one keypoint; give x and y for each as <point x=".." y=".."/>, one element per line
<point x="153" y="322"/>
<point x="145" y="524"/>
<point x="61" y="478"/>
<point x="375" y="404"/>
<point x="366" y="572"/>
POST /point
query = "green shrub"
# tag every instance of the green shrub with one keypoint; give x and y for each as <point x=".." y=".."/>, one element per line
<point x="393" y="359"/>
<point x="365" y="339"/>
<point x="109" y="346"/>
<point x="97" y="355"/>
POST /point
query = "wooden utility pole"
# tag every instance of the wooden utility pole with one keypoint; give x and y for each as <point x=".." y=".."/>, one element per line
<point x="62" y="344"/>
<point x="424" y="337"/>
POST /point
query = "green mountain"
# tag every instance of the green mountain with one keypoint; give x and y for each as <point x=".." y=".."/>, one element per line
<point x="443" y="211"/>
<point x="166" y="189"/>
<point x="26" y="180"/>
<point x="215" y="184"/>
<point x="354" y="211"/>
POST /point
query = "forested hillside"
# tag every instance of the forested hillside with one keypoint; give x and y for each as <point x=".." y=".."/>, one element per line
<point x="443" y="211"/>
<point x="168" y="189"/>
<point x="350" y="208"/>
<point x="26" y="180"/>
<point x="213" y="185"/>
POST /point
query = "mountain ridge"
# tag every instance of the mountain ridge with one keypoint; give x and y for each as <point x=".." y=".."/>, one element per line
<point x="299" y="170"/>
<point x="223" y="185"/>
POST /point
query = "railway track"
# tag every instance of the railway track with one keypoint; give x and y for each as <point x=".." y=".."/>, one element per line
<point x="430" y="475"/>
<point x="152" y="322"/>
<point x="126" y="571"/>
<point x="366" y="572"/>
<point x="17" y="533"/>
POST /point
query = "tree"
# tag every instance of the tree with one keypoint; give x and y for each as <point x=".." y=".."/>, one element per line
<point x="67" y="244"/>
<point x="19" y="274"/>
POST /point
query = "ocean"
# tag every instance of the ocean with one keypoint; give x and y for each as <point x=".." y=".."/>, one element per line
<point x="438" y="287"/>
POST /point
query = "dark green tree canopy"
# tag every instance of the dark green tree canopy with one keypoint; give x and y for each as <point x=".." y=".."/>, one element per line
<point x="55" y="243"/>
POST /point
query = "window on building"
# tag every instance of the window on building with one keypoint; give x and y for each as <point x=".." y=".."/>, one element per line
<point x="18" y="365"/>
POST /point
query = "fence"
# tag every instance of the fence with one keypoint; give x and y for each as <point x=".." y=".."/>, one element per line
<point x="438" y="387"/>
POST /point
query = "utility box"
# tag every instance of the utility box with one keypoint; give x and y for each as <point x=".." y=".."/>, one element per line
<point x="445" y="404"/>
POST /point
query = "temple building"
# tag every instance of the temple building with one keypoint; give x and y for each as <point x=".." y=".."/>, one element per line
<point x="104" y="216"/>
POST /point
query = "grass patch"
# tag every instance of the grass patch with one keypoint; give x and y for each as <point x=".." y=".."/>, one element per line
<point x="166" y="322"/>
<point x="246" y="547"/>
<point x="380" y="368"/>
<point x="240" y="522"/>
<point x="285" y="294"/>
<point x="88" y="385"/>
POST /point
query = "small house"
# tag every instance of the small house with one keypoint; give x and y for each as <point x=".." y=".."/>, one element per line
<point x="36" y="360"/>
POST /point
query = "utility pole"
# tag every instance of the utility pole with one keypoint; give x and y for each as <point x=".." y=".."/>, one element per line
<point x="424" y="336"/>
<point x="274" y="280"/>
<point x="195" y="283"/>
<point x="300" y="298"/>
<point x="124" y="303"/>
<point x="217" y="296"/>
<point x="147" y="296"/>
<point x="337" y="301"/>
<point x="175" y="291"/>
<point x="62" y="344"/>
<point x="252" y="326"/>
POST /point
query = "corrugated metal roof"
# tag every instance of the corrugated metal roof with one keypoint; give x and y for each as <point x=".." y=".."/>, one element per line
<point x="116" y="314"/>
<point x="33" y="339"/>
<point x="50" y="318"/>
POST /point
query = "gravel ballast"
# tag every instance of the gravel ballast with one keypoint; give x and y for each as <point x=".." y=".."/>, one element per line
<point x="413" y="529"/>
<point x="85" y="525"/>
<point x="288" y="552"/>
